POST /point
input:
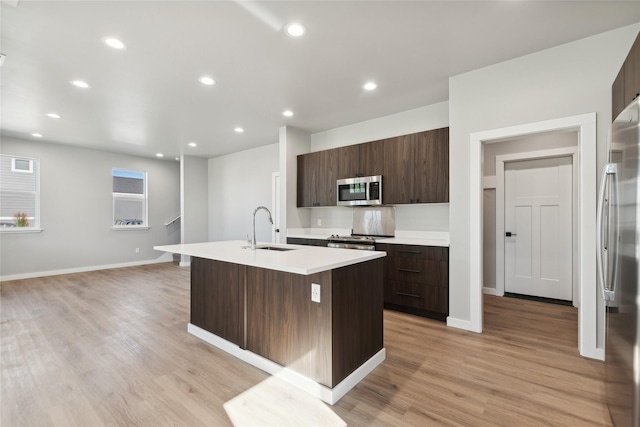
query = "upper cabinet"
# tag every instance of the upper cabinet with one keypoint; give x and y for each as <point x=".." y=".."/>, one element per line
<point x="417" y="168"/>
<point x="414" y="169"/>
<point x="626" y="86"/>
<point x="360" y="160"/>
<point x="317" y="176"/>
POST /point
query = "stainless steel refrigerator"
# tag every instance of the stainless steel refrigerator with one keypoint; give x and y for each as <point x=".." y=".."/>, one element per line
<point x="618" y="242"/>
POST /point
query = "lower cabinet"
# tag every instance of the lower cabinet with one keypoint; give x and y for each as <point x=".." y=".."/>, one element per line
<point x="416" y="279"/>
<point x="308" y="242"/>
<point x="217" y="298"/>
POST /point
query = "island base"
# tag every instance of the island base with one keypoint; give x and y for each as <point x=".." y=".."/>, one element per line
<point x="320" y="391"/>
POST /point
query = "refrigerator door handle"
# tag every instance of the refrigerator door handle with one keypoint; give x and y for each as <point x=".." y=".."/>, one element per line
<point x="606" y="291"/>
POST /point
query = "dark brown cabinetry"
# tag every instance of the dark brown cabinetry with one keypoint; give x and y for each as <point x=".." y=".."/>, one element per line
<point x="417" y="168"/>
<point x="270" y="313"/>
<point x="360" y="160"/>
<point x="308" y="242"/>
<point x="317" y="175"/>
<point x="216" y="296"/>
<point x="414" y="169"/>
<point x="416" y="279"/>
<point x="626" y="86"/>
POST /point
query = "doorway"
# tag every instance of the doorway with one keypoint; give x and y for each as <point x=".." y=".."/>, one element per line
<point x="590" y="317"/>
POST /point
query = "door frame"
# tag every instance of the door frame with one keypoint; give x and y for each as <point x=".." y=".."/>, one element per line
<point x="500" y="203"/>
<point x="275" y="207"/>
<point x="588" y="320"/>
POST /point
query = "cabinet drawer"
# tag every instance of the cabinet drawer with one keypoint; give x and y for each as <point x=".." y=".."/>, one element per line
<point x="424" y="272"/>
<point x="414" y="251"/>
<point x="414" y="295"/>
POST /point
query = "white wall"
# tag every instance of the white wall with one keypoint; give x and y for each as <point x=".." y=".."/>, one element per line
<point x="77" y="212"/>
<point x="567" y="80"/>
<point x="239" y="183"/>
<point x="293" y="142"/>
<point x="194" y="202"/>
<point x="408" y="217"/>
<point x="194" y="199"/>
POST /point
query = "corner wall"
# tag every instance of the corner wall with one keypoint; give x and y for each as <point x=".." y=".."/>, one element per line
<point x="77" y="212"/>
<point x="238" y="183"/>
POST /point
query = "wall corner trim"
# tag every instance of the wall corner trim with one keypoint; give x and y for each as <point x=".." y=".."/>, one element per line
<point x="461" y="324"/>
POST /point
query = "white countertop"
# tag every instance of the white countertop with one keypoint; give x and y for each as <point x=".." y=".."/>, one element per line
<point x="301" y="260"/>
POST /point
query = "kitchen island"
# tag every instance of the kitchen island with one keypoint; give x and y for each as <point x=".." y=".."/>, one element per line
<point x="310" y="315"/>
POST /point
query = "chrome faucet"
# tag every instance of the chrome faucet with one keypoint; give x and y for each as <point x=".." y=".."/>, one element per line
<point x="253" y="239"/>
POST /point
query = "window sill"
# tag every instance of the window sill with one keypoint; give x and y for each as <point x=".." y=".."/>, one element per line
<point x="130" y="228"/>
<point x="19" y="230"/>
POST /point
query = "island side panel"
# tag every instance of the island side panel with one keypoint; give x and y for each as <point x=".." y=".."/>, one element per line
<point x="285" y="326"/>
<point x="217" y="298"/>
<point x="358" y="299"/>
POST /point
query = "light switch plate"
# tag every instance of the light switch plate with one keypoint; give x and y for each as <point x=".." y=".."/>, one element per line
<point x="315" y="292"/>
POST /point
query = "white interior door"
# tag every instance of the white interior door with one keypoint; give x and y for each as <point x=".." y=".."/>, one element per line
<point x="538" y="228"/>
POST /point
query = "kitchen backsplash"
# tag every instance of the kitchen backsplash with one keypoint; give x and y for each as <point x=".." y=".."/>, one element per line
<point x="434" y="217"/>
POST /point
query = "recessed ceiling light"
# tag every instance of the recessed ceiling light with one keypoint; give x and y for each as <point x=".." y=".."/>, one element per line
<point x="369" y="86"/>
<point x="80" y="83"/>
<point x="239" y="130"/>
<point x="36" y="135"/>
<point x="287" y="113"/>
<point x="114" y="43"/>
<point x="192" y="144"/>
<point x="295" y="30"/>
<point x="206" y="80"/>
<point x="53" y="115"/>
<point x="159" y="155"/>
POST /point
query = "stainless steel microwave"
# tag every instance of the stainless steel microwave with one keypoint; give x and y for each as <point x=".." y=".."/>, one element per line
<point x="362" y="191"/>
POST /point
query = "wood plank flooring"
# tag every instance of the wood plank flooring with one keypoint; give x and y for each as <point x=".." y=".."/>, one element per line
<point x="111" y="348"/>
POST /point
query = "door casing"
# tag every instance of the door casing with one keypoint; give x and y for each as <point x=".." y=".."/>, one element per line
<point x="588" y="319"/>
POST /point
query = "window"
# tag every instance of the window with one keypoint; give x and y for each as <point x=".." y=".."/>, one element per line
<point x="129" y="199"/>
<point x="19" y="193"/>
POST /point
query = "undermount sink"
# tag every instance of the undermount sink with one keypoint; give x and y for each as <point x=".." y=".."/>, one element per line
<point x="270" y="248"/>
<point x="274" y="248"/>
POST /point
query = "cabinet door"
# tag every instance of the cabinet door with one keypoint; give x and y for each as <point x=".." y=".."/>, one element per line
<point x="626" y="86"/>
<point x="307" y="176"/>
<point x="372" y="159"/>
<point x="348" y="161"/>
<point x="632" y="73"/>
<point x="316" y="179"/>
<point x="431" y="183"/>
<point x="618" y="95"/>
<point x="327" y="171"/>
<point x="216" y="294"/>
<point x="398" y="170"/>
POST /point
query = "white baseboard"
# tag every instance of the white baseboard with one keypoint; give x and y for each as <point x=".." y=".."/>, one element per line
<point x="492" y="291"/>
<point x="166" y="257"/>
<point x="592" y="353"/>
<point x="460" y="324"/>
<point x="322" y="392"/>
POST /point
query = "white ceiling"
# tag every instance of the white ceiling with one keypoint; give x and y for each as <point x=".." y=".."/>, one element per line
<point x="147" y="98"/>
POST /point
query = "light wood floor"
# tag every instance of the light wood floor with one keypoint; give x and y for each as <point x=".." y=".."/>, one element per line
<point x="111" y="348"/>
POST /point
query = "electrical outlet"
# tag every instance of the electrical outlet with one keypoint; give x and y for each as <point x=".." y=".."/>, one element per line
<point x="315" y="292"/>
<point x="137" y="250"/>
<point x="319" y="222"/>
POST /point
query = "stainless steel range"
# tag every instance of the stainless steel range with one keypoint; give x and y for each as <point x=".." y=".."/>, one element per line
<point x="368" y="224"/>
<point x="363" y="243"/>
